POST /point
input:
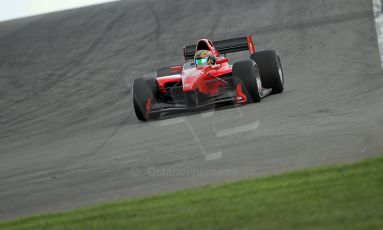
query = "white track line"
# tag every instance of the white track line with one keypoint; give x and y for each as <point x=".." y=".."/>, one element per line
<point x="377" y="8"/>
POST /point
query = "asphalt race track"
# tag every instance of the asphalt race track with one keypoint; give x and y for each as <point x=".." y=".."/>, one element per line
<point x="69" y="136"/>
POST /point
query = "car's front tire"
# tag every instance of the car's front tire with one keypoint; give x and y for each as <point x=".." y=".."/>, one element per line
<point x="144" y="96"/>
<point x="247" y="72"/>
<point x="270" y="69"/>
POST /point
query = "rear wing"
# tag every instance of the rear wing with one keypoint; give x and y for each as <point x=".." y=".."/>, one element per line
<point x="225" y="46"/>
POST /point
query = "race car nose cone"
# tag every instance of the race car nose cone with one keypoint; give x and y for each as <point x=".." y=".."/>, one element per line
<point x="188" y="87"/>
<point x="189" y="83"/>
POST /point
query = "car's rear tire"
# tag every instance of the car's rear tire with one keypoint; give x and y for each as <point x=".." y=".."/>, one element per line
<point x="247" y="72"/>
<point x="270" y="69"/>
<point x="144" y="96"/>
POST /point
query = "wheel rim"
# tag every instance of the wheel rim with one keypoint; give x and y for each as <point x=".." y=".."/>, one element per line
<point x="258" y="81"/>
<point x="259" y="85"/>
<point x="280" y="72"/>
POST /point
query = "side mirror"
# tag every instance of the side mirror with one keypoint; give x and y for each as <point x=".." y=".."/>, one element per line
<point x="223" y="60"/>
<point x="176" y="69"/>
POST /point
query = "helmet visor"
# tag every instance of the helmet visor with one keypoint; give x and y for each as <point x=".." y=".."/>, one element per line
<point x="201" y="61"/>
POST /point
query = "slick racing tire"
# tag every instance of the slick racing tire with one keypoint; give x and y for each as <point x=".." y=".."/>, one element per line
<point x="247" y="72"/>
<point x="144" y="96"/>
<point x="270" y="69"/>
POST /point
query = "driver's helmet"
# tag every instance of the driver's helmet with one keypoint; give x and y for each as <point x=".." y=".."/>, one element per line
<point x="204" y="58"/>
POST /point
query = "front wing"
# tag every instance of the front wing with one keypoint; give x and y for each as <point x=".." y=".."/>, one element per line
<point x="180" y="106"/>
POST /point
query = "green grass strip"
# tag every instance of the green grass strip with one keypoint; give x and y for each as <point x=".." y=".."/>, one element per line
<point x="335" y="197"/>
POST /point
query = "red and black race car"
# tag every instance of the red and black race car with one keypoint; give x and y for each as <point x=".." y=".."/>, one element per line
<point x="207" y="79"/>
